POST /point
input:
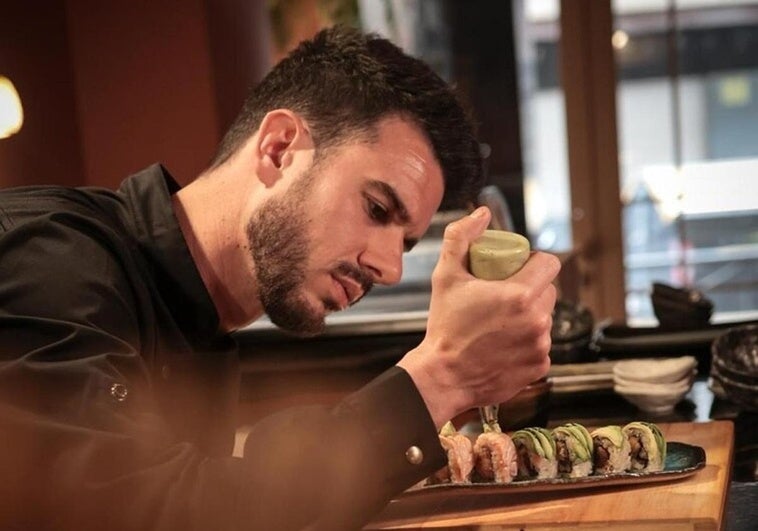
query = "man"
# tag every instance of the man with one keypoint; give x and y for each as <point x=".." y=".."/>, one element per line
<point x="118" y="380"/>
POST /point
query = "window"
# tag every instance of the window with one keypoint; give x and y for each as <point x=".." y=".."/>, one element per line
<point x="688" y="135"/>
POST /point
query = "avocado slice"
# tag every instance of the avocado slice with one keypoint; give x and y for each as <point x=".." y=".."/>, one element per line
<point x="577" y="440"/>
<point x="546" y="441"/>
<point x="582" y="431"/>
<point x="529" y="439"/>
<point x="657" y="435"/>
<point x="581" y="449"/>
<point x="612" y="433"/>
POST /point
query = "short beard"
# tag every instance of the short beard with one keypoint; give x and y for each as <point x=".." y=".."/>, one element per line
<point x="279" y="244"/>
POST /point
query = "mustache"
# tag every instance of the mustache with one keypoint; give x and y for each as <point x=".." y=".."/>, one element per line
<point x="364" y="279"/>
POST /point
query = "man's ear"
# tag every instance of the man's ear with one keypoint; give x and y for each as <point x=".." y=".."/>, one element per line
<point x="280" y="134"/>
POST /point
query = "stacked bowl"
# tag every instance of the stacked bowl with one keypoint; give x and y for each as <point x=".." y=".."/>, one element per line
<point x="655" y="386"/>
<point x="734" y="366"/>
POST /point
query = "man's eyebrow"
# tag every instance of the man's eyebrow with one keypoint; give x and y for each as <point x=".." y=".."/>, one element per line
<point x="397" y="208"/>
<point x="396" y="204"/>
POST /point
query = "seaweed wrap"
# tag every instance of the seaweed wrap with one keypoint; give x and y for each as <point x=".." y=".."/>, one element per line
<point x="495" y="457"/>
<point x="535" y="453"/>
<point x="610" y="450"/>
<point x="647" y="447"/>
<point x="460" y="457"/>
<point x="573" y="450"/>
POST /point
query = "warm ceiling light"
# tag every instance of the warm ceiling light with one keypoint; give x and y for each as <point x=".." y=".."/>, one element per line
<point x="620" y="39"/>
<point x="11" y="112"/>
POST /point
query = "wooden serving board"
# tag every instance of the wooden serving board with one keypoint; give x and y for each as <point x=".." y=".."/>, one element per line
<point x="696" y="502"/>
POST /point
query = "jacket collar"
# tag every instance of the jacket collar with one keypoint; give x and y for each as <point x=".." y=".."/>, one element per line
<point x="148" y="197"/>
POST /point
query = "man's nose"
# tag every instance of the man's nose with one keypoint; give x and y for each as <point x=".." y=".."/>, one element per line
<point x="384" y="258"/>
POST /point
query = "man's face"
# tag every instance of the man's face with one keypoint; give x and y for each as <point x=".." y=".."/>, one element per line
<point x="343" y="225"/>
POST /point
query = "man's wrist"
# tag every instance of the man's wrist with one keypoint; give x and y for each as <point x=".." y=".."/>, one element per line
<point x="441" y="398"/>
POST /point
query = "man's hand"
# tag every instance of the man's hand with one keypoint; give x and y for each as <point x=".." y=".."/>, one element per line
<point x="485" y="339"/>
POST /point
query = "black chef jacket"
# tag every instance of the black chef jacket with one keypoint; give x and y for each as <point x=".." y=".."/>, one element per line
<point x="117" y="393"/>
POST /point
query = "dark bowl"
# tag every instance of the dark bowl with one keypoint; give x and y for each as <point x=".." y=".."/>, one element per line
<point x="736" y="351"/>
<point x="680" y="308"/>
<point x="578" y="351"/>
<point x="530" y="407"/>
<point x="571" y="322"/>
<point x="745" y="396"/>
<point x="722" y="369"/>
<point x="571" y="334"/>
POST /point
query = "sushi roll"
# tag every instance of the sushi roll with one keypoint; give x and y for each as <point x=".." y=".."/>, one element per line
<point x="460" y="457"/>
<point x="535" y="453"/>
<point x="573" y="450"/>
<point x="610" y="450"/>
<point x="495" y="457"/>
<point x="647" y="446"/>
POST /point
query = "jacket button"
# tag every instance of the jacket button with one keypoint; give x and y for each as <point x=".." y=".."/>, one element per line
<point x="414" y="455"/>
<point x="119" y="391"/>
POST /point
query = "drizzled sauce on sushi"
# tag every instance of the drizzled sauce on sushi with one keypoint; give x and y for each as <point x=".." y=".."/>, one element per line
<point x="567" y="451"/>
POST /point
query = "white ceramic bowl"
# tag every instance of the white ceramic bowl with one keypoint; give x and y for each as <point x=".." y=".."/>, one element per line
<point x="655" y="385"/>
<point x="661" y="402"/>
<point x="683" y="384"/>
<point x="662" y="370"/>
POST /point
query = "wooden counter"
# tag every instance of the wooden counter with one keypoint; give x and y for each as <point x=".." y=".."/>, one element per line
<point x="693" y="503"/>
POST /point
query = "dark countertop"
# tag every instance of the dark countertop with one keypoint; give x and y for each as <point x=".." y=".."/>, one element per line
<point x="700" y="405"/>
<point x="279" y="371"/>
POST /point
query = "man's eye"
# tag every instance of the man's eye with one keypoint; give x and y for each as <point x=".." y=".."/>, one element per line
<point x="377" y="211"/>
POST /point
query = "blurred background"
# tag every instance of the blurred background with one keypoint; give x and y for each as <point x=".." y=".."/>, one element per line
<point x="623" y="134"/>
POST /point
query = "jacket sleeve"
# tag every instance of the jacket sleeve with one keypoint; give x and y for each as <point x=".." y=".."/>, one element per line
<point x="85" y="447"/>
<point x="334" y="469"/>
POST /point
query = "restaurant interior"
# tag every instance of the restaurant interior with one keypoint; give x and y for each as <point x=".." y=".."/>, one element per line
<point x="621" y="135"/>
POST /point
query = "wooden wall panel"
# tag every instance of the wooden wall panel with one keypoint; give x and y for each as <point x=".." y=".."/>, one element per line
<point x="144" y="86"/>
<point x="589" y="83"/>
<point x="240" y="48"/>
<point x="34" y="54"/>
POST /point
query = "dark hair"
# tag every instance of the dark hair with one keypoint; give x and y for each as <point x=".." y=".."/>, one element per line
<point x="344" y="82"/>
